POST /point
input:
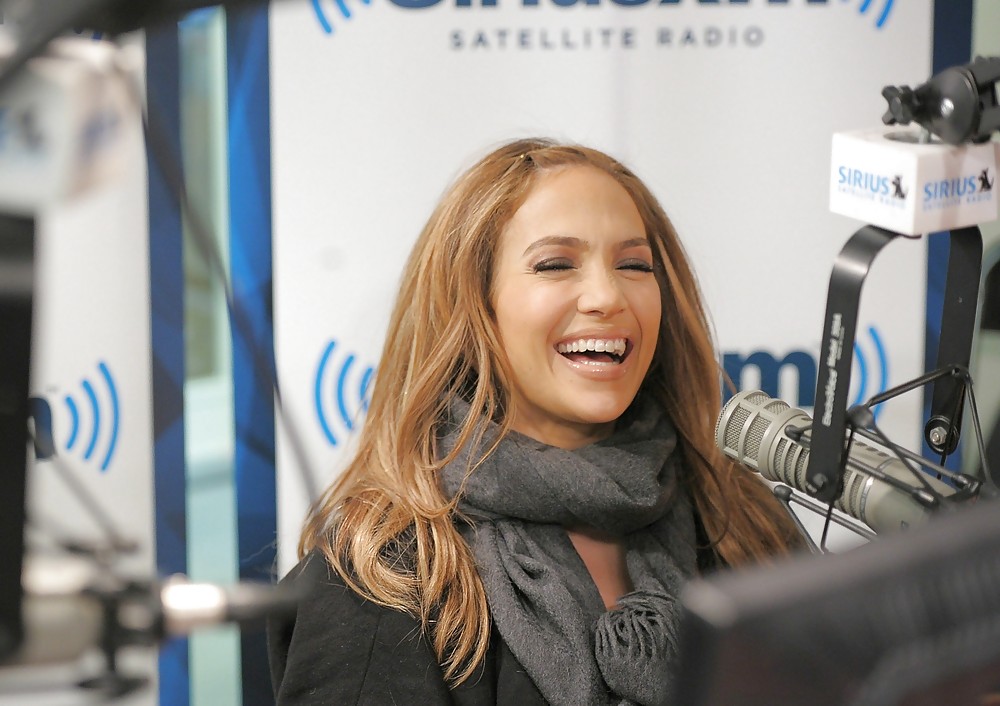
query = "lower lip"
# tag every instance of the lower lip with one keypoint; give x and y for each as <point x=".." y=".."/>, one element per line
<point x="598" y="371"/>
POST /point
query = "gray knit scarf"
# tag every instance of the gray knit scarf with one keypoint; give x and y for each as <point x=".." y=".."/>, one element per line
<point x="541" y="596"/>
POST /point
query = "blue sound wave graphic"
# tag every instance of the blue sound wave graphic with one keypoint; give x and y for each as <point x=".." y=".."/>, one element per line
<point x="883" y="15"/>
<point x="324" y="22"/>
<point x="92" y="410"/>
<point x="347" y="393"/>
<point x="866" y="374"/>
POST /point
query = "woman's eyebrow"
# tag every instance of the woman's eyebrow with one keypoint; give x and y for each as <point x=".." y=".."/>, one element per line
<point x="566" y="240"/>
<point x="571" y="241"/>
<point x="634" y="243"/>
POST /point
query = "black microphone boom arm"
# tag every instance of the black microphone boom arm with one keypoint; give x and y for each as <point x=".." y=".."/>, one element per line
<point x="828" y="456"/>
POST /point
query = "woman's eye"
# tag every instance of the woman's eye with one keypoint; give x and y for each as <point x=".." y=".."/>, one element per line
<point x="636" y="265"/>
<point x="552" y="265"/>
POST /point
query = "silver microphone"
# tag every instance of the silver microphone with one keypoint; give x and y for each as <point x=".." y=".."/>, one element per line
<point x="65" y="603"/>
<point x="751" y="430"/>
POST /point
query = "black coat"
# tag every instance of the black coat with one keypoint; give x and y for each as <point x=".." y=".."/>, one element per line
<point x="341" y="649"/>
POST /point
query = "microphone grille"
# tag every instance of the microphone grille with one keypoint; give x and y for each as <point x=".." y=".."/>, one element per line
<point x="759" y="409"/>
<point x="755" y="435"/>
<point x="792" y="459"/>
<point x="735" y="415"/>
<point x="751" y="431"/>
<point x="735" y="424"/>
<point x="759" y="397"/>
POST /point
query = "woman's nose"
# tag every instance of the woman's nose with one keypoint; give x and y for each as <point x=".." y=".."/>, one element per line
<point x="601" y="292"/>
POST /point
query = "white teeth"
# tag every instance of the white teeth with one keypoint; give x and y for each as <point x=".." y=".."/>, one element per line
<point x="598" y="345"/>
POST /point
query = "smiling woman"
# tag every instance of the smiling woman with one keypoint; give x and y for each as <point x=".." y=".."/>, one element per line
<point x="577" y="306"/>
<point x="537" y="477"/>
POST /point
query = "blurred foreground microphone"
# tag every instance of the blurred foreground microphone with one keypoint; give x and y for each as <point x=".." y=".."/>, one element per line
<point x="72" y="606"/>
<point x="107" y="16"/>
<point x="751" y="430"/>
<point x="27" y="26"/>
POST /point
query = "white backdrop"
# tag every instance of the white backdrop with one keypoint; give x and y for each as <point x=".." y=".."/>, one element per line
<point x="725" y="110"/>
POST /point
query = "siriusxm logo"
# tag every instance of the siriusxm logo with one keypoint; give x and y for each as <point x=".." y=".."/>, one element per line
<point x="870" y="374"/>
<point x="971" y="188"/>
<point x="340" y="391"/>
<point x="885" y="189"/>
<point x="419" y="4"/>
<point x="93" y="421"/>
<point x="864" y="7"/>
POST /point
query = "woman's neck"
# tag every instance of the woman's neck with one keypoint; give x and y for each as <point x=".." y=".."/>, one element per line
<point x="604" y="557"/>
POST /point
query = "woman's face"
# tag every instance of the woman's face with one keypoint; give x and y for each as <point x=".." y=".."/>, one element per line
<point x="577" y="306"/>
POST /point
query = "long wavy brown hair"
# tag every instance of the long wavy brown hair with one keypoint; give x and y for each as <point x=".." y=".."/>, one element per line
<point x="442" y="342"/>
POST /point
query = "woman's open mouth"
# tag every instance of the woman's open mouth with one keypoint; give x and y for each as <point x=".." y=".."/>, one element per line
<point x="595" y="351"/>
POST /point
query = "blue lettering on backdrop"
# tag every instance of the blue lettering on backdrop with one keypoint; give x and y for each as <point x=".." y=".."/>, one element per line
<point x="872" y="371"/>
<point x="668" y="37"/>
<point x="421" y="4"/>
<point x="708" y="37"/>
<point x="770" y="368"/>
<point x="418" y="4"/>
